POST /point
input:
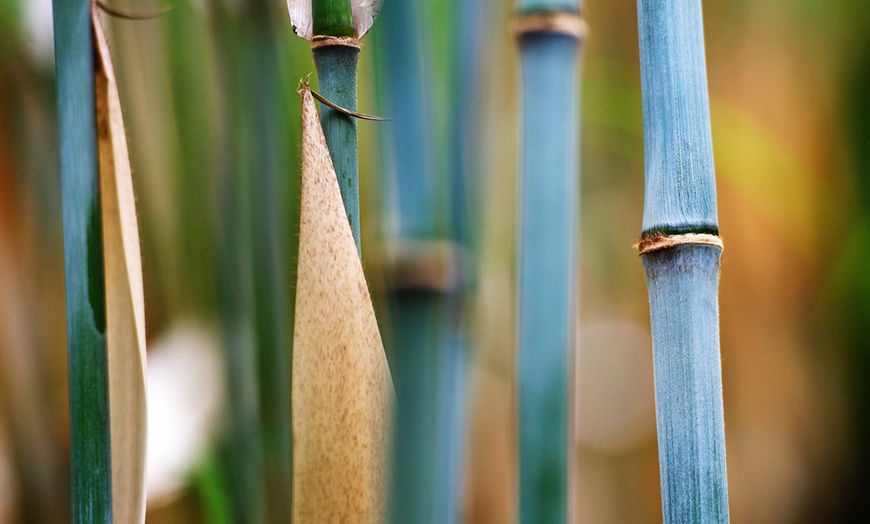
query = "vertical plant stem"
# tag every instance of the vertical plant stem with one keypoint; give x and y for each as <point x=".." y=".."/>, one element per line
<point x="336" y="65"/>
<point x="83" y="260"/>
<point x="548" y="34"/>
<point x="263" y="98"/>
<point x="681" y="251"/>
<point x="417" y="313"/>
<point x="243" y="454"/>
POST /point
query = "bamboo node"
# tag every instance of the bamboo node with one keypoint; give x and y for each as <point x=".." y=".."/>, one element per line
<point x="326" y="41"/>
<point x="560" y="22"/>
<point x="657" y="242"/>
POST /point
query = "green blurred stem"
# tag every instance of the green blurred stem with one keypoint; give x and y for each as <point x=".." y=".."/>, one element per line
<point x="83" y="259"/>
<point x="337" y="72"/>
<point x="332" y="18"/>
<point x="264" y="106"/>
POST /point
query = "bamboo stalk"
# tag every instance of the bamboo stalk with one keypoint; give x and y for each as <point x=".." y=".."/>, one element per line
<point x="83" y="261"/>
<point x="262" y="94"/>
<point x="426" y="240"/>
<point x="243" y="453"/>
<point x="681" y="252"/>
<point x="548" y="33"/>
<point x="417" y="312"/>
<point x="336" y="64"/>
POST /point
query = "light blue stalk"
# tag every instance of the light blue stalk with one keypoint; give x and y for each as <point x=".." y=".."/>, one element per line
<point x="83" y="263"/>
<point x="680" y="185"/>
<point x="683" y="281"/>
<point x="548" y="234"/>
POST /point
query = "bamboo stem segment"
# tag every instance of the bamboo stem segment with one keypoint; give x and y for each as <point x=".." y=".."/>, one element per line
<point x="548" y="34"/>
<point x="681" y="252"/>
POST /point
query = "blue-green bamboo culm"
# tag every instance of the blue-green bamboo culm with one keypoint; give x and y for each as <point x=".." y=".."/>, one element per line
<point x="681" y="250"/>
<point x="336" y="53"/>
<point x="83" y="261"/>
<point x="549" y="33"/>
<point x="267" y="164"/>
<point x="429" y="349"/>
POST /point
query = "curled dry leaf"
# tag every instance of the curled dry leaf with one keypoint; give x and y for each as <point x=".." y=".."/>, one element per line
<point x="125" y="308"/>
<point x="364" y="14"/>
<point x="301" y="18"/>
<point x="342" y="390"/>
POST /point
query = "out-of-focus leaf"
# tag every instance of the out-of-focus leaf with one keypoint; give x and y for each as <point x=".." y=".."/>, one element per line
<point x="125" y="304"/>
<point x="342" y="389"/>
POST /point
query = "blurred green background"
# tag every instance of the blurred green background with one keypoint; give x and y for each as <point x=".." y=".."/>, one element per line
<point x="789" y="87"/>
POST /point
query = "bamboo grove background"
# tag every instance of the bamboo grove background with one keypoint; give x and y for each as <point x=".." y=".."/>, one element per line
<point x="209" y="98"/>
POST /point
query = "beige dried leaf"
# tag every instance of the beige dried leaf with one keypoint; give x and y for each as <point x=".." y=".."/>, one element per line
<point x="125" y="308"/>
<point x="342" y="390"/>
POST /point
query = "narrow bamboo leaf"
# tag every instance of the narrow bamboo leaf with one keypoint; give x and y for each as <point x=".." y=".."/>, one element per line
<point x="342" y="390"/>
<point x="125" y="311"/>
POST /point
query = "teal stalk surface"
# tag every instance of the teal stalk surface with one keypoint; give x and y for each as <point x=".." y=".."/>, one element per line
<point x="83" y="261"/>
<point x="548" y="235"/>
<point x="242" y="453"/>
<point x="418" y="315"/>
<point x="337" y="78"/>
<point x="683" y="281"/>
<point x="680" y="185"/>
<point x="683" y="286"/>
<point x="268" y="162"/>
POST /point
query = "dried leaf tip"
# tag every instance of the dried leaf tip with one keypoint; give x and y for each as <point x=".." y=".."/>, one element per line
<point x="364" y="14"/>
<point x="301" y="18"/>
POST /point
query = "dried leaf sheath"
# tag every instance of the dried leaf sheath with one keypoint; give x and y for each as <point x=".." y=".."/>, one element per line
<point x="342" y="390"/>
<point x="125" y="312"/>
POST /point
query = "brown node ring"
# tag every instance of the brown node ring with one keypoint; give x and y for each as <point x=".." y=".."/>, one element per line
<point x="657" y="242"/>
<point x="560" y="22"/>
<point x="326" y="41"/>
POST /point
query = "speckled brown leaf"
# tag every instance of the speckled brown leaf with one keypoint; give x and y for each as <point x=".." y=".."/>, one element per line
<point x="125" y="308"/>
<point x="342" y="391"/>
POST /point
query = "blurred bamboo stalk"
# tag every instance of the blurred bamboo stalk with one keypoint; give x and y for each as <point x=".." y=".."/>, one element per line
<point x="426" y="255"/>
<point x="549" y="33"/>
<point x="681" y="251"/>
<point x="83" y="260"/>
<point x="242" y="456"/>
<point x="266" y="151"/>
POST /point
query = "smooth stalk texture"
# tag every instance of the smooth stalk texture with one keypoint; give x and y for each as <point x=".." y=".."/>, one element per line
<point x="549" y="194"/>
<point x="83" y="261"/>
<point x="337" y="73"/>
<point x="243" y="453"/>
<point x="429" y="351"/>
<point x="264" y="107"/>
<point x="417" y="312"/>
<point x="333" y="18"/>
<point x="683" y="279"/>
